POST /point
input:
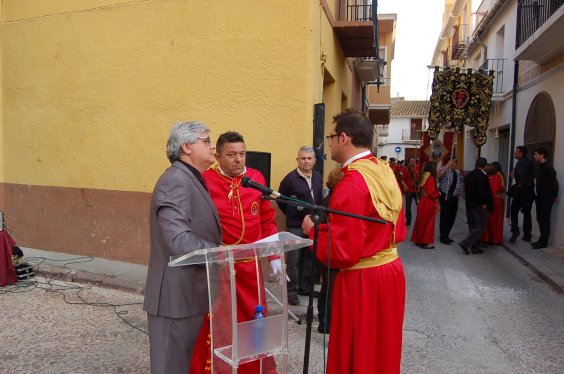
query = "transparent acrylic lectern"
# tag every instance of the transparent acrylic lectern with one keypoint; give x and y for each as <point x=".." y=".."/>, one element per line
<point x="234" y="343"/>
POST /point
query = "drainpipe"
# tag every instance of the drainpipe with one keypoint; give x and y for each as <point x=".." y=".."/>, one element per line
<point x="513" y="112"/>
<point x="513" y="126"/>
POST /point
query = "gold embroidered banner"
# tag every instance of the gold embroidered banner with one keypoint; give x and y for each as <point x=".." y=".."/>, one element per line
<point x="461" y="99"/>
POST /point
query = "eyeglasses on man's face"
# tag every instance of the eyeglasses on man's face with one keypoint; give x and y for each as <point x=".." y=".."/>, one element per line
<point x="205" y="140"/>
<point x="331" y="136"/>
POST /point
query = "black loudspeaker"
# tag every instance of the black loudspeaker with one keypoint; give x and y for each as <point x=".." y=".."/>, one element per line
<point x="319" y="136"/>
<point x="261" y="162"/>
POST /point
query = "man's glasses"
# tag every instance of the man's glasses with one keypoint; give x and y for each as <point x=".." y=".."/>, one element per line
<point x="329" y="137"/>
<point x="205" y="140"/>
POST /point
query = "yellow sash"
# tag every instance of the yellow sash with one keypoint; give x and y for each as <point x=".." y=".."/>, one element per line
<point x="383" y="187"/>
<point x="423" y="180"/>
<point x="381" y="258"/>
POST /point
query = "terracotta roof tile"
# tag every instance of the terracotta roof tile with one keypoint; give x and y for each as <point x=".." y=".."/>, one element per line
<point x="409" y="108"/>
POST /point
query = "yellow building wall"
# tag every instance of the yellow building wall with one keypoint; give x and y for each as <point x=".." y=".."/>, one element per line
<point x="94" y="93"/>
<point x="90" y="90"/>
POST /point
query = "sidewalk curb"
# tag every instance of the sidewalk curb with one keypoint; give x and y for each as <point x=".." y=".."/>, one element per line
<point x="86" y="277"/>
<point x="549" y="280"/>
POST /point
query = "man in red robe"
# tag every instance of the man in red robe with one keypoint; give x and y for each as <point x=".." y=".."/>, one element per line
<point x="369" y="294"/>
<point x="245" y="218"/>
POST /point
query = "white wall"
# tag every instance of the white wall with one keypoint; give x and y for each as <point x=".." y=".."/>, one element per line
<point x="394" y="138"/>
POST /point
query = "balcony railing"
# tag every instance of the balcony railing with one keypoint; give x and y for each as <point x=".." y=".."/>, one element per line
<point x="495" y="64"/>
<point x="360" y="11"/>
<point x="459" y="41"/>
<point x="356" y="29"/>
<point x="411" y="136"/>
<point x="531" y="15"/>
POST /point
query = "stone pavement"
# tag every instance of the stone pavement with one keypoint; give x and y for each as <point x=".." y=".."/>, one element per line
<point x="129" y="277"/>
<point x="547" y="263"/>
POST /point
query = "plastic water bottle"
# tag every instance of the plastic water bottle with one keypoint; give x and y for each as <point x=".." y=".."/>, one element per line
<point x="259" y="312"/>
<point x="258" y="328"/>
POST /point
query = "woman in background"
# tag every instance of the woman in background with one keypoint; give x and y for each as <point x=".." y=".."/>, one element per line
<point x="494" y="228"/>
<point x="423" y="234"/>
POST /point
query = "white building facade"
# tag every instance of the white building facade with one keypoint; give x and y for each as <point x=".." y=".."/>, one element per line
<point x="402" y="138"/>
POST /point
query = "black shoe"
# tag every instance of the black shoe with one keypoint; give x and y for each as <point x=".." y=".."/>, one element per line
<point x="445" y="241"/>
<point x="483" y="245"/>
<point x="535" y="243"/>
<point x="527" y="238"/>
<point x="540" y="246"/>
<point x="477" y="250"/>
<point x="514" y="237"/>
<point x="450" y="240"/>
<point x="464" y="248"/>
<point x="407" y="223"/>
<point x="322" y="330"/>
<point x="293" y="299"/>
<point x="426" y="246"/>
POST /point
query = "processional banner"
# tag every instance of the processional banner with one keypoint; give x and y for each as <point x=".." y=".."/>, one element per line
<point x="461" y="99"/>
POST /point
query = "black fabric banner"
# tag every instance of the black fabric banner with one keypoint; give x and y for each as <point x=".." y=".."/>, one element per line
<point x="461" y="99"/>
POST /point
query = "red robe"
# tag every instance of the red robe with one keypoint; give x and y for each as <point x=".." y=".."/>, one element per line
<point x="407" y="180"/>
<point x="245" y="218"/>
<point x="7" y="270"/>
<point x="424" y="228"/>
<point x="494" y="229"/>
<point x="368" y="304"/>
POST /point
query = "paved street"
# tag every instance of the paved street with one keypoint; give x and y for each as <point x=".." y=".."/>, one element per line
<point x="485" y="313"/>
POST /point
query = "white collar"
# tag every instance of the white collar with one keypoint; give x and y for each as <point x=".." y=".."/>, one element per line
<point x="225" y="174"/>
<point x="356" y="157"/>
<point x="303" y="175"/>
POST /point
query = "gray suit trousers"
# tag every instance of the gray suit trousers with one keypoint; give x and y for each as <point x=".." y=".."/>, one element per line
<point x="172" y="342"/>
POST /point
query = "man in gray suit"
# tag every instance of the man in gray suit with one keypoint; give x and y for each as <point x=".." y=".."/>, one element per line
<point x="176" y="298"/>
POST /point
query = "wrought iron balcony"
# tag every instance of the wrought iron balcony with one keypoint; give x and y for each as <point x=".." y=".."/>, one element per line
<point x="531" y="15"/>
<point x="354" y="27"/>
<point x="459" y="42"/>
<point x="495" y="64"/>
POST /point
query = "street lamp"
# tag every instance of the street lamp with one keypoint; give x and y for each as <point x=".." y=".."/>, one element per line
<point x="381" y="71"/>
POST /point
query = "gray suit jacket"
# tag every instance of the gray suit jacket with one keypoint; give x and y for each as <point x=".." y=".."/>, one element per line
<point x="183" y="218"/>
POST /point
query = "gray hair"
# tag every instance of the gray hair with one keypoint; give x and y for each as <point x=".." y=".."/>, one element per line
<point x="306" y="149"/>
<point x="183" y="133"/>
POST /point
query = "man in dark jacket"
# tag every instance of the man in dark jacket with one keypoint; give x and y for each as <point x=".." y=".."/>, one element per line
<point x="479" y="201"/>
<point x="524" y="174"/>
<point x="304" y="184"/>
<point x="547" y="190"/>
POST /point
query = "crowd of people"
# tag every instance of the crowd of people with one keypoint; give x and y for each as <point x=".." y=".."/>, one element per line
<point x="200" y="202"/>
<point x="436" y="192"/>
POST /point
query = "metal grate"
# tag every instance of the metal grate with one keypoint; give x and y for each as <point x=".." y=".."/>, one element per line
<point x="495" y="64"/>
<point x="532" y="14"/>
<point x="359" y="11"/>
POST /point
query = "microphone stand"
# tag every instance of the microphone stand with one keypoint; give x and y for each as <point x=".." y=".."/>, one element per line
<point x="317" y="213"/>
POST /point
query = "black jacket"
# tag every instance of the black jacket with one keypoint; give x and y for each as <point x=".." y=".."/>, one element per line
<point x="546" y="179"/>
<point x="294" y="185"/>
<point x="477" y="190"/>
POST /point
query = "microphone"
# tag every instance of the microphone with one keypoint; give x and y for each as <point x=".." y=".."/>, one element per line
<point x="249" y="183"/>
